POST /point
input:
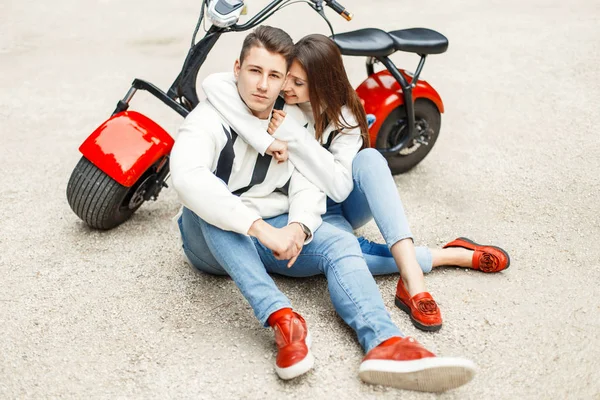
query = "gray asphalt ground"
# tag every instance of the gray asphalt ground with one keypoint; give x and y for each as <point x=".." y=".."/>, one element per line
<point x="118" y="314"/>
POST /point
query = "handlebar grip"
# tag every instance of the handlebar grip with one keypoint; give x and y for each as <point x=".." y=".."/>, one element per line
<point x="338" y="8"/>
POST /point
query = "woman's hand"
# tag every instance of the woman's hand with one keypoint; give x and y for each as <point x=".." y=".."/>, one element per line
<point x="276" y="119"/>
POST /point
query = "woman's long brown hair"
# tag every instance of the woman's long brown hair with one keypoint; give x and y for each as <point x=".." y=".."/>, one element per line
<point x="328" y="86"/>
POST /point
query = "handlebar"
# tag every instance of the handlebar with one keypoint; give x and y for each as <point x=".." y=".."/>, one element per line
<point x="275" y="5"/>
<point x="338" y="8"/>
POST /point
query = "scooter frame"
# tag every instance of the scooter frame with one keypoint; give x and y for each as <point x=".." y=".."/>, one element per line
<point x="152" y="145"/>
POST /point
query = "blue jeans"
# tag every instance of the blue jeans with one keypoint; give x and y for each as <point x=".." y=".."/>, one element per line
<point x="375" y="195"/>
<point x="333" y="252"/>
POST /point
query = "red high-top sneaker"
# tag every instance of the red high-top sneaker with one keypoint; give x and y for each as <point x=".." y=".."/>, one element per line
<point x="403" y="363"/>
<point x="485" y="258"/>
<point x="422" y="308"/>
<point x="293" y="341"/>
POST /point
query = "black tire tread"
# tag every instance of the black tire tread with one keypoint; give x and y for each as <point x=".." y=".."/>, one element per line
<point x="95" y="197"/>
<point x="78" y="187"/>
<point x="74" y="186"/>
<point x="97" y="209"/>
<point x="92" y="189"/>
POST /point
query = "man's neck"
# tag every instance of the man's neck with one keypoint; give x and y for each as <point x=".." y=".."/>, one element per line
<point x="266" y="114"/>
<point x="262" y="114"/>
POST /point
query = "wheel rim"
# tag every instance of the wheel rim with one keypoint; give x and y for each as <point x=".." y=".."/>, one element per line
<point x="399" y="132"/>
<point x="137" y="198"/>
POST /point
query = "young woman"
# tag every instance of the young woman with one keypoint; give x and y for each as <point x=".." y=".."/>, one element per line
<point x="332" y="153"/>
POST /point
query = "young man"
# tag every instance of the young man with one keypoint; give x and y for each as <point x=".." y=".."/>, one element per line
<point x="246" y="215"/>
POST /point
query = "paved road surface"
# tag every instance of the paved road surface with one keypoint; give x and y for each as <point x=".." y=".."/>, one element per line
<point x="87" y="314"/>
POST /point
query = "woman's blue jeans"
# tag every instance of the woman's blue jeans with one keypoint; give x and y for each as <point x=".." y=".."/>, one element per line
<point x="333" y="252"/>
<point x="375" y="196"/>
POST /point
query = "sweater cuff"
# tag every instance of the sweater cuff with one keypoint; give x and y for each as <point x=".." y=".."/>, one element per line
<point x="244" y="218"/>
<point x="263" y="142"/>
<point x="310" y="221"/>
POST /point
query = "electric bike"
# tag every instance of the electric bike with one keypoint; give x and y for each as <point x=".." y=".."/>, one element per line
<point x="125" y="161"/>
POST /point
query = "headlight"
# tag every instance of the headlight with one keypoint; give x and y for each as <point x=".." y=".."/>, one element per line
<point x="224" y="13"/>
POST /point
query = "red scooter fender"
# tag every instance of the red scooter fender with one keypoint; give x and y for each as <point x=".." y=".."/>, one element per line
<point x="380" y="93"/>
<point x="126" y="145"/>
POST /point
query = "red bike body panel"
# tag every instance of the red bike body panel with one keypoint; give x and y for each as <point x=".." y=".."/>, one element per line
<point x="380" y="93"/>
<point x="126" y="145"/>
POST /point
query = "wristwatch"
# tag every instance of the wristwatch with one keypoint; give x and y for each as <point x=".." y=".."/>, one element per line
<point x="306" y="231"/>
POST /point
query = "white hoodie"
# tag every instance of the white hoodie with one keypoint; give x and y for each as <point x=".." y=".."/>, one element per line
<point x="329" y="169"/>
<point x="228" y="184"/>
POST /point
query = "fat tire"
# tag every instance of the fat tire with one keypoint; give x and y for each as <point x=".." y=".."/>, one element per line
<point x="424" y="109"/>
<point x="96" y="198"/>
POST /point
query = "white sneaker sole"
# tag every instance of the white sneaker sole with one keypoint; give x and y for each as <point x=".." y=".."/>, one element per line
<point x="434" y="374"/>
<point x="299" y="368"/>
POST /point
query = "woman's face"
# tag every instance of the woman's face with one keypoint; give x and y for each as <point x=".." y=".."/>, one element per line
<point x="296" y="88"/>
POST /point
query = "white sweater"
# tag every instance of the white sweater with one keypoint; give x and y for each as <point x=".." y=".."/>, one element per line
<point x="210" y="165"/>
<point x="329" y="169"/>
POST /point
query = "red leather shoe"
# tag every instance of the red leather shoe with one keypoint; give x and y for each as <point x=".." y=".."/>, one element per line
<point x="293" y="342"/>
<point x="485" y="258"/>
<point x="403" y="363"/>
<point x="422" y="308"/>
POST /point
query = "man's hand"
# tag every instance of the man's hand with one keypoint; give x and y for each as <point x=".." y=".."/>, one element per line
<point x="277" y="118"/>
<point x="285" y="243"/>
<point x="299" y="237"/>
<point x="279" y="150"/>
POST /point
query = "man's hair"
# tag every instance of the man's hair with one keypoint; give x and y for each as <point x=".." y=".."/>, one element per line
<point x="274" y="40"/>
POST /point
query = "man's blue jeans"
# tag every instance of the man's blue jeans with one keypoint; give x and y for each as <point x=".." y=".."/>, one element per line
<point x="375" y="196"/>
<point x="333" y="252"/>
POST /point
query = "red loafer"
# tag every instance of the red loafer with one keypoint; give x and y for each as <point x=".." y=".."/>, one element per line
<point x="422" y="308"/>
<point x="485" y="258"/>
<point x="403" y="363"/>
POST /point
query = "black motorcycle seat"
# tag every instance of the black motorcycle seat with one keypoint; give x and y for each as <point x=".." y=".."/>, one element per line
<point x="368" y="42"/>
<point x="419" y="40"/>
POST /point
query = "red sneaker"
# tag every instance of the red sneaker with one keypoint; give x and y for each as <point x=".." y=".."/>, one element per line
<point x="485" y="258"/>
<point x="422" y="308"/>
<point x="293" y="342"/>
<point x="403" y="363"/>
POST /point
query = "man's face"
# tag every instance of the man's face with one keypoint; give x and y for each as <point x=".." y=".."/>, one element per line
<point x="260" y="78"/>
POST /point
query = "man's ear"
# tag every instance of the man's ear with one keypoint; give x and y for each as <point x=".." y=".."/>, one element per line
<point x="236" y="68"/>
